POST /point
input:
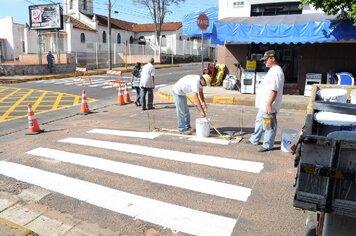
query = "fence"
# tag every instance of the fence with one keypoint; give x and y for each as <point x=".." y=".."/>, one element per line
<point x="95" y="55"/>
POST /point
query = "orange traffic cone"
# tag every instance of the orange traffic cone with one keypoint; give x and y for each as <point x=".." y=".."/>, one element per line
<point x="33" y="127"/>
<point x="84" y="107"/>
<point x="127" y="98"/>
<point x="120" y="94"/>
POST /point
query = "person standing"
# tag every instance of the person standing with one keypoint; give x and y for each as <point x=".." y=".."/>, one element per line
<point x="135" y="81"/>
<point x="188" y="84"/>
<point x="50" y="61"/>
<point x="268" y="101"/>
<point x="147" y="84"/>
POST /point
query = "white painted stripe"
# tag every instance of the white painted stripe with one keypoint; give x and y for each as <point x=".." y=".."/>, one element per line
<point x="208" y="160"/>
<point x="160" y="85"/>
<point x="153" y="175"/>
<point x="133" y="134"/>
<point x="210" y="140"/>
<point x="157" y="212"/>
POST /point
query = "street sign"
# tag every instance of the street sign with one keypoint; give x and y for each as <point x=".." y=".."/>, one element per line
<point x="203" y="21"/>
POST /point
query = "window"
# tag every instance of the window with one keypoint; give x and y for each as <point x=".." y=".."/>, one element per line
<point x="272" y="9"/>
<point x="85" y="5"/>
<point x="104" y="37"/>
<point x="163" y="41"/>
<point x="82" y="38"/>
<point x="70" y="4"/>
<point x="118" y="39"/>
<point x="131" y="40"/>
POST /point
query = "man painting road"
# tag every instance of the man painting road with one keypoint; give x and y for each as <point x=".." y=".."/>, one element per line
<point x="50" y="61"/>
<point x="268" y="102"/>
<point x="188" y="84"/>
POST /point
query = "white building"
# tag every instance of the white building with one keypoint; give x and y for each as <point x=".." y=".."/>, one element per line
<point x="84" y="39"/>
<point x="11" y="39"/>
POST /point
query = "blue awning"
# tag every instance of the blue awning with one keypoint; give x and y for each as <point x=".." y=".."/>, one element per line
<point x="301" y="28"/>
<point x="190" y="27"/>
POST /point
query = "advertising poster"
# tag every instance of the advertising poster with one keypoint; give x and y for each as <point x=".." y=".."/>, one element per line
<point x="45" y="17"/>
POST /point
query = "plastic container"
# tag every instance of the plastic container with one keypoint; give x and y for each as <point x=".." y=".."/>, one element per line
<point x="290" y="139"/>
<point x="353" y="96"/>
<point x="202" y="127"/>
<point x="333" y="95"/>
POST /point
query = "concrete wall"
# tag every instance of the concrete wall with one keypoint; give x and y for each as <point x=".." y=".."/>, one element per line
<point x="9" y="70"/>
<point x="233" y="56"/>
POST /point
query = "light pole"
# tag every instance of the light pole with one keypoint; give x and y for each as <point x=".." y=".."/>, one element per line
<point x="109" y="35"/>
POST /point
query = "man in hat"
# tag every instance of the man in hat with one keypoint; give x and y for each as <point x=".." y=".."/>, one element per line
<point x="268" y="101"/>
<point x="188" y="84"/>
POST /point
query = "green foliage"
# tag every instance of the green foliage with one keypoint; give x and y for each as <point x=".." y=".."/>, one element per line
<point x="346" y="8"/>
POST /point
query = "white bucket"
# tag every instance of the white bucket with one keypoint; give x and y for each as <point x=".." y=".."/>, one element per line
<point x="353" y="96"/>
<point x="289" y="140"/>
<point x="202" y="127"/>
<point x="333" y="95"/>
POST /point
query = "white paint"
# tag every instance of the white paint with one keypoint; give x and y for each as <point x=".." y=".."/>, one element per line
<point x="249" y="166"/>
<point x="157" y="212"/>
<point x="160" y="85"/>
<point x="153" y="175"/>
<point x="146" y="135"/>
<point x="210" y="140"/>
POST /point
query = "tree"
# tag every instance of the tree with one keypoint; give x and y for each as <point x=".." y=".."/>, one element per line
<point x="158" y="10"/>
<point x="346" y="8"/>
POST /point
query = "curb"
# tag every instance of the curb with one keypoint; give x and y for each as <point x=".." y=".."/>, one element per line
<point x="244" y="100"/>
<point x="18" y="228"/>
<point x="61" y="76"/>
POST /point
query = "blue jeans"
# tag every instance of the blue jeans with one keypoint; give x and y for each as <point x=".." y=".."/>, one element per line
<point x="149" y="92"/>
<point x="138" y="92"/>
<point x="182" y="110"/>
<point x="270" y="134"/>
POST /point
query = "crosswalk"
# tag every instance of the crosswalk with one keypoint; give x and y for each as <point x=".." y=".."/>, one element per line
<point x="165" y="214"/>
<point x="95" y="82"/>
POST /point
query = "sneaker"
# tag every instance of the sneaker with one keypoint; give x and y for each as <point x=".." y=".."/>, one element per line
<point x="262" y="149"/>
<point x="187" y="132"/>
<point x="144" y="109"/>
<point x="247" y="141"/>
<point x="151" y="108"/>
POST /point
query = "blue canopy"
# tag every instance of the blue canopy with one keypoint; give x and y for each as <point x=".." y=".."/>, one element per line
<point x="190" y="26"/>
<point x="299" y="28"/>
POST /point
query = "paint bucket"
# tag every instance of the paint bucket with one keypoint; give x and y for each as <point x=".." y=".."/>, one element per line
<point x="353" y="96"/>
<point x="290" y="139"/>
<point x="330" y="121"/>
<point x="333" y="95"/>
<point x="202" y="127"/>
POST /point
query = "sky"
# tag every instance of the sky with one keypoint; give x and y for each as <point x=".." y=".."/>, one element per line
<point x="121" y="9"/>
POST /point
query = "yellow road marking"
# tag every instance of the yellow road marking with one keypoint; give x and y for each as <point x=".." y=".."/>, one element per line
<point x="58" y="100"/>
<point x="42" y="100"/>
<point x="12" y="108"/>
<point x="39" y="100"/>
<point x="76" y="100"/>
<point x="9" y="95"/>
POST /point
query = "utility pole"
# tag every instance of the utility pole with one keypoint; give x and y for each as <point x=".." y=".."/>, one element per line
<point x="109" y="34"/>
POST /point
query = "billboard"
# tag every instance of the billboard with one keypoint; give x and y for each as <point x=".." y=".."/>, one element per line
<point x="45" y="17"/>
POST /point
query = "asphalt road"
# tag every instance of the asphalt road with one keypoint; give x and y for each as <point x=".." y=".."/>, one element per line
<point x="95" y="180"/>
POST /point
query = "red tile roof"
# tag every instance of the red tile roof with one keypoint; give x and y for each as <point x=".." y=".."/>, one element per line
<point x="169" y="26"/>
<point x="115" y="23"/>
<point x="77" y="24"/>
